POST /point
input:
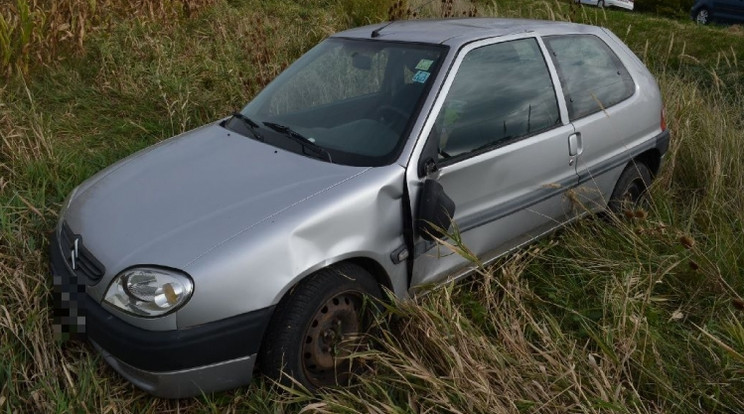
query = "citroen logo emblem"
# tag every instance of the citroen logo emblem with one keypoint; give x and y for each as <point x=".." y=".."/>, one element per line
<point x="75" y="253"/>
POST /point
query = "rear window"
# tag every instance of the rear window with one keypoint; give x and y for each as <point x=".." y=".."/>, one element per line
<point x="592" y="76"/>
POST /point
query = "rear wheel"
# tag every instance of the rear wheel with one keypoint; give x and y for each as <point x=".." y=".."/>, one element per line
<point x="630" y="190"/>
<point x="317" y="325"/>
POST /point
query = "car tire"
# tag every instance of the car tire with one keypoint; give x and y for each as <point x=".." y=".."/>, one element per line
<point x="302" y="343"/>
<point x="702" y="16"/>
<point x="630" y="190"/>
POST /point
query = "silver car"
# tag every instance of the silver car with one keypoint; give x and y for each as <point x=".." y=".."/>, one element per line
<point x="253" y="242"/>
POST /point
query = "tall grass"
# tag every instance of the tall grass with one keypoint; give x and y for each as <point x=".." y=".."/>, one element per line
<point x="36" y="31"/>
<point x="642" y="314"/>
<point x="146" y="79"/>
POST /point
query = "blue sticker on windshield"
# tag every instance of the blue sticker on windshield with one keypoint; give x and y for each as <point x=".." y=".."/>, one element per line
<point x="421" y="76"/>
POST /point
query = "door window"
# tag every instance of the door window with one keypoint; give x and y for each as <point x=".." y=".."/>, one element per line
<point x="592" y="76"/>
<point x="501" y="92"/>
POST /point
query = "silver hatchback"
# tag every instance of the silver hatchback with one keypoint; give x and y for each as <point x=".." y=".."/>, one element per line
<point x="253" y="242"/>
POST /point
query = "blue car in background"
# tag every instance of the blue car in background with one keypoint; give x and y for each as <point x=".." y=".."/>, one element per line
<point x="718" y="11"/>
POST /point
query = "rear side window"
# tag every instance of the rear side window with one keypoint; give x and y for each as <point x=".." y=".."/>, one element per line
<point x="502" y="92"/>
<point x="592" y="76"/>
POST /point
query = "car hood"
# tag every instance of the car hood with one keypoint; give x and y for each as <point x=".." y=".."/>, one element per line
<point x="172" y="203"/>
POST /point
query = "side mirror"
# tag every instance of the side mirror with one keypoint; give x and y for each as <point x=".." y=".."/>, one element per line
<point x="435" y="211"/>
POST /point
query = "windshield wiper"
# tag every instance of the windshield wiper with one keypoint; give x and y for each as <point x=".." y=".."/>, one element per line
<point x="250" y="123"/>
<point x="301" y="139"/>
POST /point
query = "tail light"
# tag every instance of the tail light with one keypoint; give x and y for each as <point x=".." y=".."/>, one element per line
<point x="663" y="120"/>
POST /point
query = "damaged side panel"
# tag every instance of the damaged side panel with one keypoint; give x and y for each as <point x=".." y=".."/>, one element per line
<point x="364" y="221"/>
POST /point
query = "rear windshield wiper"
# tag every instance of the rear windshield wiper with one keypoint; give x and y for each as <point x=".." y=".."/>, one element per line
<point x="250" y="123"/>
<point x="301" y="139"/>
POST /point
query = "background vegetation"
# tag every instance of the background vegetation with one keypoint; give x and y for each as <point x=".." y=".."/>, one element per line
<point x="640" y="315"/>
<point x="672" y="8"/>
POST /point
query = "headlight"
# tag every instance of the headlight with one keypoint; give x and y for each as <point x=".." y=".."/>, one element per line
<point x="149" y="291"/>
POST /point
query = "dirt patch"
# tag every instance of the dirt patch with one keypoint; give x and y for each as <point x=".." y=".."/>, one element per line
<point x="736" y="29"/>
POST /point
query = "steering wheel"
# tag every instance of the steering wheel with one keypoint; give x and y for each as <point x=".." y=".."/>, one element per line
<point x="392" y="116"/>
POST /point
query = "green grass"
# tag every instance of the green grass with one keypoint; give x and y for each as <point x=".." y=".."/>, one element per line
<point x="638" y="315"/>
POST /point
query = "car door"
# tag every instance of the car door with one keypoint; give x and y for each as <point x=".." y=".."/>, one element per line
<point x="498" y="146"/>
<point x="595" y="85"/>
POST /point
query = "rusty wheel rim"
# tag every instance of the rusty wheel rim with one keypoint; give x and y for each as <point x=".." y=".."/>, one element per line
<point x="324" y="349"/>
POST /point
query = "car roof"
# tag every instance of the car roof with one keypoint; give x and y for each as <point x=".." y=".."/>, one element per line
<point x="455" y="32"/>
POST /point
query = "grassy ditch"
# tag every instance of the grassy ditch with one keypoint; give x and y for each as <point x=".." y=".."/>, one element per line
<point x="639" y="315"/>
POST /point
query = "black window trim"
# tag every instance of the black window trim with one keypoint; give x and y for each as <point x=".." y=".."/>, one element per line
<point x="444" y="162"/>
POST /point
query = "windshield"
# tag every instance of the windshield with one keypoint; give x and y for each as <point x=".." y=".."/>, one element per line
<point x="352" y="100"/>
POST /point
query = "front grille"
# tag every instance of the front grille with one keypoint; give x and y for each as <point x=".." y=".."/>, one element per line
<point x="84" y="264"/>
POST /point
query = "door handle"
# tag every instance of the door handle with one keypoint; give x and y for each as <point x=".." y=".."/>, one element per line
<point x="574" y="144"/>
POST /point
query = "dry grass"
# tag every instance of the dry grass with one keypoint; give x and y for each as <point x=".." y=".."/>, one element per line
<point x="641" y="315"/>
<point x="482" y="347"/>
<point x="36" y="32"/>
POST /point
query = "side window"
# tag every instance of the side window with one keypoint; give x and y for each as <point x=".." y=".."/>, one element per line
<point x="592" y="76"/>
<point x="501" y="92"/>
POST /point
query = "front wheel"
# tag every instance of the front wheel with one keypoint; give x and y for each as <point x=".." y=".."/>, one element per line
<point x="630" y="190"/>
<point x="311" y="333"/>
<point x="702" y="16"/>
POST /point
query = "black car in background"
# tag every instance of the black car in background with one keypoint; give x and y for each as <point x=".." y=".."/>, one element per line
<point x="718" y="11"/>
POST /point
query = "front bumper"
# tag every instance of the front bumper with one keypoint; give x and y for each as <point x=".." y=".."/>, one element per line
<point x="172" y="364"/>
<point x="186" y="382"/>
